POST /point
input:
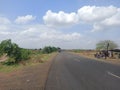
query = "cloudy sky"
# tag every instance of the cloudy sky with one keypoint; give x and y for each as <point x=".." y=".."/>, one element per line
<point x="69" y="24"/>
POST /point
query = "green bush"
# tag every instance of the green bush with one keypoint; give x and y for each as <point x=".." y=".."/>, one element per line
<point x="13" y="51"/>
<point x="10" y="61"/>
<point x="25" y="54"/>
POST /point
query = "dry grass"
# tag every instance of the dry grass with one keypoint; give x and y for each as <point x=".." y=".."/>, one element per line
<point x="32" y="76"/>
<point x="90" y="54"/>
<point x="35" y="59"/>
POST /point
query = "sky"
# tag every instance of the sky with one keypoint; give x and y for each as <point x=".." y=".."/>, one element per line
<point x="68" y="24"/>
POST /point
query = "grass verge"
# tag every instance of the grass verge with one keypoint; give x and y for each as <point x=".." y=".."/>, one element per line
<point x="35" y="59"/>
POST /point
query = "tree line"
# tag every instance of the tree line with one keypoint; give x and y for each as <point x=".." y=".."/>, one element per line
<point x="17" y="54"/>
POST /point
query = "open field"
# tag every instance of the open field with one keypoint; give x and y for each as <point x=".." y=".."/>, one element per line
<point x="28" y="75"/>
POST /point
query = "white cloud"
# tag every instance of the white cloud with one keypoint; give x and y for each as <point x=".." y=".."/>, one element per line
<point x="60" y="19"/>
<point x="3" y="27"/>
<point x="112" y="22"/>
<point x="56" y="35"/>
<point x="4" y="20"/>
<point x="100" y="17"/>
<point x="24" y="19"/>
<point x="94" y="14"/>
<point x="37" y="36"/>
<point x="45" y="33"/>
<point x="4" y="23"/>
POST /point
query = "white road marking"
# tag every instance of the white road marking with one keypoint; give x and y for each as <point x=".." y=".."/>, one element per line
<point x="113" y="75"/>
<point x="77" y="60"/>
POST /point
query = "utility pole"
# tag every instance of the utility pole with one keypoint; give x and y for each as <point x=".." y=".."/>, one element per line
<point x="106" y="51"/>
<point x="107" y="48"/>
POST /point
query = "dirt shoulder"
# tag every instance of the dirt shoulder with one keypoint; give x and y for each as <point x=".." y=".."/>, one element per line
<point x="91" y="56"/>
<point x="28" y="78"/>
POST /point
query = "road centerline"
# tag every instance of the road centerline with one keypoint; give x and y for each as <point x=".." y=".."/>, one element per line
<point x="109" y="73"/>
<point x="77" y="60"/>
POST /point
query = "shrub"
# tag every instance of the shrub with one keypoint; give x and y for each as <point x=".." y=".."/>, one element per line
<point x="25" y="54"/>
<point x="14" y="52"/>
<point x="10" y="61"/>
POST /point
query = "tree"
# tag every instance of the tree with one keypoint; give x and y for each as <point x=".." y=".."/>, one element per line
<point x="6" y="47"/>
<point x="13" y="51"/>
<point x="106" y="45"/>
<point x="49" y="49"/>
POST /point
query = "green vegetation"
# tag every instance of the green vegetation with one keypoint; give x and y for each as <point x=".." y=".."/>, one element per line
<point x="102" y="45"/>
<point x="35" y="59"/>
<point x="13" y="51"/>
<point x="49" y="49"/>
<point x="17" y="58"/>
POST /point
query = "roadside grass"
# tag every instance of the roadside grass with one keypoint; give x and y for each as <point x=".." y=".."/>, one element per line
<point x="35" y="59"/>
<point x="5" y="68"/>
<point x="85" y="53"/>
<point x="90" y="55"/>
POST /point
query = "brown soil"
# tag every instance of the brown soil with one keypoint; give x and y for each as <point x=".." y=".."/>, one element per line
<point x="29" y="78"/>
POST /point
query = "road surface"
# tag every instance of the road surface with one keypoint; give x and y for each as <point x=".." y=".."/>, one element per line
<point x="72" y="72"/>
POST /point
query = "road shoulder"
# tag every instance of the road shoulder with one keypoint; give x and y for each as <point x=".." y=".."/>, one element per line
<point x="28" y="78"/>
<point x="111" y="61"/>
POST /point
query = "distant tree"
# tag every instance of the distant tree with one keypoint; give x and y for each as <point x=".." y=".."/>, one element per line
<point x="106" y="44"/>
<point x="49" y="49"/>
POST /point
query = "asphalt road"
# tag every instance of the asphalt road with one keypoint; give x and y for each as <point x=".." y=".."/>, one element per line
<point x="72" y="72"/>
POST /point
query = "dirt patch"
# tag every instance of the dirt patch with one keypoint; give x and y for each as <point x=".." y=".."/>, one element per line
<point x="3" y="58"/>
<point x="28" y="78"/>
